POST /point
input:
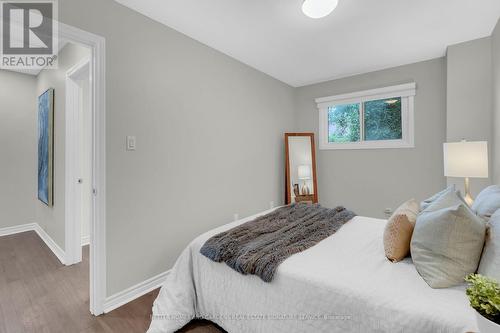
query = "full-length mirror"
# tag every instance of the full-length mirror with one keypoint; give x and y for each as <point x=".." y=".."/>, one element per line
<point x="300" y="168"/>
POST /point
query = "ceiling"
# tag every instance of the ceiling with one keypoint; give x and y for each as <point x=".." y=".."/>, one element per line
<point x="360" y="36"/>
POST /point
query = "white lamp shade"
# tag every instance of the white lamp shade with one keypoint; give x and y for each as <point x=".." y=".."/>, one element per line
<point x="304" y="172"/>
<point x="466" y="159"/>
<point x="318" y="8"/>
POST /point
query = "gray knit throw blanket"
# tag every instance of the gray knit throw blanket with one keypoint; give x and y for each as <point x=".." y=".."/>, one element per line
<point x="259" y="246"/>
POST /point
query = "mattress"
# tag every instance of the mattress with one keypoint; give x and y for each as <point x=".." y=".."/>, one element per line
<point x="342" y="284"/>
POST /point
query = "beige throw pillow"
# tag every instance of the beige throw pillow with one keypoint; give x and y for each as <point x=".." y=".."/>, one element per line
<point x="398" y="231"/>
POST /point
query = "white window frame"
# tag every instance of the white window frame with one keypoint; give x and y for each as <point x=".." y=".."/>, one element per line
<point x="406" y="92"/>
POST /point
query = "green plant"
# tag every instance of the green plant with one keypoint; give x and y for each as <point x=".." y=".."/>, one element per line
<point x="484" y="296"/>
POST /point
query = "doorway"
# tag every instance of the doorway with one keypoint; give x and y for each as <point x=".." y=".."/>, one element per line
<point x="85" y="183"/>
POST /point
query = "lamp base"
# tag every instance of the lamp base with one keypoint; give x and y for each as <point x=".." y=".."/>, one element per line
<point x="468" y="197"/>
<point x="305" y="189"/>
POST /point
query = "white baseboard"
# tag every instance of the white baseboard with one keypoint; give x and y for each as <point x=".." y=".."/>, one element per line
<point x="17" y="229"/>
<point x="58" y="252"/>
<point x="85" y="240"/>
<point x="129" y="294"/>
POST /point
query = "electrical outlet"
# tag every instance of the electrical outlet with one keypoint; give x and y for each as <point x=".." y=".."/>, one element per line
<point x="236" y="216"/>
<point x="271" y="204"/>
<point x="388" y="212"/>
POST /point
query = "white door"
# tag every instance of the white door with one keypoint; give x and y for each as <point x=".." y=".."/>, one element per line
<point x="78" y="160"/>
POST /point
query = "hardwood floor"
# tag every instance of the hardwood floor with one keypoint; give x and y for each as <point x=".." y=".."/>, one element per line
<point x="39" y="294"/>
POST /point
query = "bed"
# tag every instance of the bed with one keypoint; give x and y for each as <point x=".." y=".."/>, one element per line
<point x="342" y="284"/>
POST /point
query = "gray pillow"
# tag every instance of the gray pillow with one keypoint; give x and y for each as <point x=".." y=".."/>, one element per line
<point x="487" y="202"/>
<point x="427" y="202"/>
<point x="490" y="260"/>
<point x="447" y="241"/>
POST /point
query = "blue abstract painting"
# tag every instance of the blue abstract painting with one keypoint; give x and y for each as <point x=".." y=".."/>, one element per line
<point x="45" y="146"/>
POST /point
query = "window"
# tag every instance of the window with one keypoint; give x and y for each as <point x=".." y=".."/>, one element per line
<point x="378" y="118"/>
<point x="343" y="123"/>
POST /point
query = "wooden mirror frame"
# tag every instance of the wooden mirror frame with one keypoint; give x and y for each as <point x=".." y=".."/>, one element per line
<point x="288" y="194"/>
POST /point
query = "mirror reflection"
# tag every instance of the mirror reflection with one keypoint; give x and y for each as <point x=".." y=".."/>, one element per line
<point x="300" y="168"/>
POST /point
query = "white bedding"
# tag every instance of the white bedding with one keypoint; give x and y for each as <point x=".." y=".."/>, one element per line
<point x="345" y="278"/>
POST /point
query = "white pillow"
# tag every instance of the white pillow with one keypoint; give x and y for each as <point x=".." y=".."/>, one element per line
<point x="487" y="202"/>
<point x="490" y="261"/>
<point x="427" y="202"/>
<point x="447" y="241"/>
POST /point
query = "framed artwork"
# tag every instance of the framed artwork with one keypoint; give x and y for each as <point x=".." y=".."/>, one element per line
<point x="46" y="147"/>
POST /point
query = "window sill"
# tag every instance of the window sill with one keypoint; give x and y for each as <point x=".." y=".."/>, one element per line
<point x="367" y="145"/>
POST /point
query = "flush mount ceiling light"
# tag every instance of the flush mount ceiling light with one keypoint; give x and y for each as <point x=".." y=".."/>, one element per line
<point x="318" y="8"/>
<point x="391" y="101"/>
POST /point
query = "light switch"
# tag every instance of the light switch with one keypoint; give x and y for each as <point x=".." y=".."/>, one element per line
<point x="130" y="142"/>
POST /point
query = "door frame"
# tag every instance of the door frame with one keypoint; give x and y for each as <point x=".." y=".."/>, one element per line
<point x="97" y="256"/>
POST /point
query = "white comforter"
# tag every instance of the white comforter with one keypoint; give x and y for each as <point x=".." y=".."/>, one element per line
<point x="343" y="284"/>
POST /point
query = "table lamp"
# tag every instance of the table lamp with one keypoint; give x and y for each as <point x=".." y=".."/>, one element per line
<point x="466" y="160"/>
<point x="304" y="173"/>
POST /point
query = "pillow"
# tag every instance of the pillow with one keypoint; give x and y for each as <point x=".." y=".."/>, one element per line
<point x="398" y="231"/>
<point x="487" y="202"/>
<point x="490" y="261"/>
<point x="447" y="241"/>
<point x="427" y="202"/>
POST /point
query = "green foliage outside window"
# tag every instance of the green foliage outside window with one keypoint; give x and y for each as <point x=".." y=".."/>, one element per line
<point x="383" y="119"/>
<point x="343" y="123"/>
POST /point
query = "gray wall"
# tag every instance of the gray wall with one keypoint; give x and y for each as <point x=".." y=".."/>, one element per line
<point x="496" y="102"/>
<point x="368" y="181"/>
<point x="209" y="138"/>
<point x="18" y="148"/>
<point x="469" y="99"/>
<point x="51" y="219"/>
